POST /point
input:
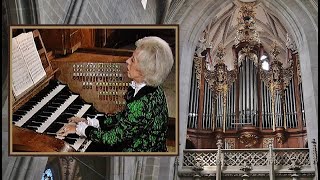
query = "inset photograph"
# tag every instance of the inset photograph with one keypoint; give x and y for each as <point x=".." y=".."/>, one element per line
<point x="82" y="90"/>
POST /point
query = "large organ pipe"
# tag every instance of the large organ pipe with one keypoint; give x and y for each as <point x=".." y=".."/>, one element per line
<point x="243" y="96"/>
<point x="275" y="107"/>
<point x="251" y="93"/>
<point x="210" y="109"/>
<point x="289" y="93"/>
<point x="192" y="96"/>
<point x="234" y="104"/>
<point x="196" y="115"/>
<point x="287" y="114"/>
<point x="291" y="98"/>
<point x="269" y="108"/>
<point x="194" y="84"/>
<point x="249" y="117"/>
<point x="228" y="110"/>
<point x="204" y="117"/>
<point x="194" y="100"/>
<point x="293" y="119"/>
<point x="214" y="106"/>
<point x="206" y="110"/>
<point x="291" y="111"/>
<point x="191" y="104"/>
<point x="278" y="109"/>
<point x="269" y="115"/>
<point x="263" y="104"/>
<point x="302" y="105"/>
<point x="218" y="111"/>
<point x="283" y="109"/>
<point x="254" y="98"/>
<point x="240" y="94"/>
<point x="219" y="107"/>
<point x="255" y="95"/>
<point x="243" y="92"/>
<point x="206" y="106"/>
<point x="224" y="111"/>
<point x="247" y="89"/>
<point x="294" y="112"/>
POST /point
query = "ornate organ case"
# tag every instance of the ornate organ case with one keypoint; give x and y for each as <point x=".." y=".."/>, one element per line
<point x="246" y="107"/>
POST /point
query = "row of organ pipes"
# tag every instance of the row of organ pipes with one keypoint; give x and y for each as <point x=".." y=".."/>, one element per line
<point x="220" y="113"/>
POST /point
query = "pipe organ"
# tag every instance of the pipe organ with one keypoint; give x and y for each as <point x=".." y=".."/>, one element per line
<point x="248" y="105"/>
<point x="262" y="102"/>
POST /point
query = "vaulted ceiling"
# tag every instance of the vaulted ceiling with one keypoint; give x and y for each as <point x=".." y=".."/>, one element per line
<point x="223" y="30"/>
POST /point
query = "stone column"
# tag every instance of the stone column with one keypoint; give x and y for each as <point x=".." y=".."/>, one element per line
<point x="271" y="162"/>
<point x="218" y="173"/>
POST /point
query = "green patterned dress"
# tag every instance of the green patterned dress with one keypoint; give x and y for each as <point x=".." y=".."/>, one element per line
<point x="141" y="127"/>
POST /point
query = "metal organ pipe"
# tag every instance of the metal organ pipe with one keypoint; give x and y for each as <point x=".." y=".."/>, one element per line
<point x="269" y="112"/>
<point x="191" y="102"/>
<point x="255" y="95"/>
<point x="207" y="107"/>
<point x="287" y="108"/>
<point x="289" y="101"/>
<point x="302" y="105"/>
<point x="265" y="108"/>
<point x="191" y="119"/>
<point x="243" y="93"/>
<point x="229" y="108"/>
<point x="277" y="109"/>
<point x="204" y="117"/>
<point x="240" y="93"/>
<point x="262" y="104"/>
<point x="196" y="106"/>
<point x="234" y="104"/>
<point x="247" y="81"/>
<point x="210" y="109"/>
<point x="251" y="92"/>
<point x="290" y="111"/>
<point x="218" y="111"/>
<point x="294" y="112"/>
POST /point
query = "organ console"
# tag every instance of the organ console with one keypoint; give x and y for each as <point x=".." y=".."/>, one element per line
<point x="87" y="83"/>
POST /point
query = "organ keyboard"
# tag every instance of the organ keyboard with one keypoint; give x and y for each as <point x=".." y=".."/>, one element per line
<point x="40" y="112"/>
<point x="49" y="110"/>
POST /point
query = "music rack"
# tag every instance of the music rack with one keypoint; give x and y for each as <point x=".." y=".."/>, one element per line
<point x="28" y="94"/>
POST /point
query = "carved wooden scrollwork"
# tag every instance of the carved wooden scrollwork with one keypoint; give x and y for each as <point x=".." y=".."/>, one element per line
<point x="198" y="68"/>
<point x="220" y="79"/>
<point x="249" y="139"/>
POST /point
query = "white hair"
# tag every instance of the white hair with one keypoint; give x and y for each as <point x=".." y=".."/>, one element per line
<point x="155" y="59"/>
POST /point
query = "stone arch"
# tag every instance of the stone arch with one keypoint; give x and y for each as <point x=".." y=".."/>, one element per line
<point x="290" y="12"/>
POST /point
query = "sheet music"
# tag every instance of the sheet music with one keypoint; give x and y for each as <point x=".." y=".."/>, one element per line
<point x="21" y="79"/>
<point x="31" y="56"/>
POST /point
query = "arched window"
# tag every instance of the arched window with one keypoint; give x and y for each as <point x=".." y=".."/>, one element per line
<point x="47" y="175"/>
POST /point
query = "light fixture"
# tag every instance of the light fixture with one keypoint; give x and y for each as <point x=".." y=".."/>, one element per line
<point x="265" y="65"/>
<point x="144" y="4"/>
<point x="263" y="57"/>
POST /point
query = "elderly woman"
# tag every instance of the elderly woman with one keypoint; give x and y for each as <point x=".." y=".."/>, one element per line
<point x="142" y="125"/>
